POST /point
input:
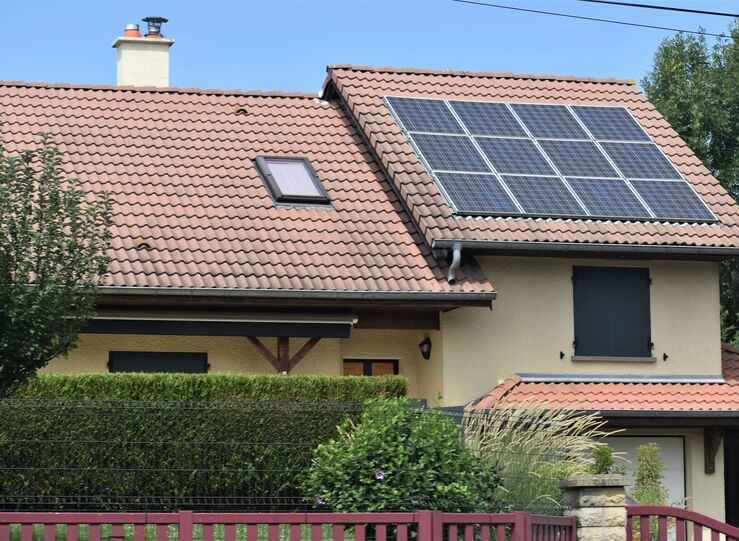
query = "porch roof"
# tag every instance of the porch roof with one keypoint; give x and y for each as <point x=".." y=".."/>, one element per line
<point x="628" y="397"/>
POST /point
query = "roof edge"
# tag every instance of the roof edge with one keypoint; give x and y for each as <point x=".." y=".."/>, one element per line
<point x="488" y="74"/>
<point x="616" y="378"/>
<point x="538" y="246"/>
<point x="485" y="297"/>
<point x="162" y="90"/>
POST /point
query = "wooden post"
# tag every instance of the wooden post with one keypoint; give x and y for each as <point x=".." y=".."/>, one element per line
<point x="184" y="532"/>
<point x="283" y="353"/>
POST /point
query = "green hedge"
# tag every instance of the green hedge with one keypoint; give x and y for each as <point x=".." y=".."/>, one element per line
<point x="169" y="441"/>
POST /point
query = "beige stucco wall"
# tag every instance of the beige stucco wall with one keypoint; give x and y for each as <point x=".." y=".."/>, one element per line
<point x="704" y="492"/>
<point x="236" y="354"/>
<point x="532" y="321"/>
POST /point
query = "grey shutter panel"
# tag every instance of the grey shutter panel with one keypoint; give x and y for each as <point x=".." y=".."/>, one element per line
<point x="611" y="307"/>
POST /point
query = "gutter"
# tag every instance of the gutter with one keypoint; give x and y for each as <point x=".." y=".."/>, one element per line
<point x="666" y="413"/>
<point x="299" y="294"/>
<point x="441" y="244"/>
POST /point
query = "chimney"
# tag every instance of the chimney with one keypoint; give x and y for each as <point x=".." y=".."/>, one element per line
<point x="143" y="61"/>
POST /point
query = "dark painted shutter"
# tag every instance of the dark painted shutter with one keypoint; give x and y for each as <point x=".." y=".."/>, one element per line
<point x="611" y="311"/>
<point x="155" y="361"/>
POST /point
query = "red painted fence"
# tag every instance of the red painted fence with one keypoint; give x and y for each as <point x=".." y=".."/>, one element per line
<point x="660" y="522"/>
<point x="189" y="526"/>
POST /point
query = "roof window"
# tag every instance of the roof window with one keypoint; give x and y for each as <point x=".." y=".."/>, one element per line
<point x="292" y="180"/>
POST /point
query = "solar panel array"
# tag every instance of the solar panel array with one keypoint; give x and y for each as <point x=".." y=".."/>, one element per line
<point x="506" y="159"/>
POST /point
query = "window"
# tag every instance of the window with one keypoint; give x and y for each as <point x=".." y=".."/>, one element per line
<point x="370" y="367"/>
<point x="156" y="361"/>
<point x="291" y="180"/>
<point x="611" y="312"/>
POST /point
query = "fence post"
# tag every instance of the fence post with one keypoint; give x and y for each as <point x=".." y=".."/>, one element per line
<point x="522" y="530"/>
<point x="598" y="502"/>
<point x="184" y="531"/>
<point x="430" y="525"/>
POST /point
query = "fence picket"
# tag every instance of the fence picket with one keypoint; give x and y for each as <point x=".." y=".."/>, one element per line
<point x="338" y="532"/>
<point x="500" y="533"/>
<point x="139" y="532"/>
<point x="662" y="528"/>
<point x="316" y="532"/>
<point x="162" y="532"/>
<point x="359" y="532"/>
<point x="252" y="532"/>
<point x="402" y="532"/>
<point x="229" y="533"/>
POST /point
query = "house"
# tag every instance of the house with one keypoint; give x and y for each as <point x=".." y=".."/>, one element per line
<point x="489" y="236"/>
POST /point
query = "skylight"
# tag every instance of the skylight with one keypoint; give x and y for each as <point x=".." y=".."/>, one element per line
<point x="291" y="180"/>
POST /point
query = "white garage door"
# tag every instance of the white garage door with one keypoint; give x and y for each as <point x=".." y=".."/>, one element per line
<point x="673" y="453"/>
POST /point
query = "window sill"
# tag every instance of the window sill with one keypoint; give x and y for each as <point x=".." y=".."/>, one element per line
<point x="595" y="358"/>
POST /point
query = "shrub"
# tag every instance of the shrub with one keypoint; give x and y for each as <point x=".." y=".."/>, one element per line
<point x="603" y="462"/>
<point x="169" y="441"/>
<point x="399" y="457"/>
<point x="533" y="446"/>
<point x="649" y="488"/>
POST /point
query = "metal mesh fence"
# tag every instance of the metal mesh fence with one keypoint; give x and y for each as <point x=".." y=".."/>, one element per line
<point x="97" y="455"/>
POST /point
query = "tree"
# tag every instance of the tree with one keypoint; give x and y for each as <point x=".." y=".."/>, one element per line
<point x="694" y="85"/>
<point x="54" y="240"/>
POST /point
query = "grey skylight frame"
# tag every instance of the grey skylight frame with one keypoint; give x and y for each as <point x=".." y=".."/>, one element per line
<point x="652" y="217"/>
<point x="274" y="187"/>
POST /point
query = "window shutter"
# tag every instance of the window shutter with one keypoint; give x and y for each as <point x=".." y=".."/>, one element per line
<point x="611" y="306"/>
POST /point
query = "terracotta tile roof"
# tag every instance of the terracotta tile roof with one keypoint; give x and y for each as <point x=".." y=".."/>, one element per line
<point x="363" y="88"/>
<point x="625" y="396"/>
<point x="179" y="163"/>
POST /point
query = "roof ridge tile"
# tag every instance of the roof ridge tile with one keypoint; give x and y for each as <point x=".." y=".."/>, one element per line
<point x="483" y="74"/>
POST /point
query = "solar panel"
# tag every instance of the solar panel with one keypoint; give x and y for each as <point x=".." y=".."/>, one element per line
<point x="610" y="197"/>
<point x="672" y="199"/>
<point x="610" y="123"/>
<point x="450" y="153"/>
<point x="549" y="121"/>
<point x="488" y="118"/>
<point x="517" y="156"/>
<point x="544" y="196"/>
<point x="546" y="160"/>
<point x="640" y="160"/>
<point x="476" y="193"/>
<point x="425" y="115"/>
<point x="578" y="159"/>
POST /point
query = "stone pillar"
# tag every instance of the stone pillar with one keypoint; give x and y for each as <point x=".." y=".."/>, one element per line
<point x="599" y="503"/>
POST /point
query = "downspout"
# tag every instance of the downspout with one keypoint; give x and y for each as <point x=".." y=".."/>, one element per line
<point x="456" y="261"/>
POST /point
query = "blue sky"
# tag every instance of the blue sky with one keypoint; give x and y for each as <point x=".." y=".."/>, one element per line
<point x="282" y="45"/>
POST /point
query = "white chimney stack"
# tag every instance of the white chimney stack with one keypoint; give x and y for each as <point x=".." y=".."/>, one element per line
<point x="143" y="61"/>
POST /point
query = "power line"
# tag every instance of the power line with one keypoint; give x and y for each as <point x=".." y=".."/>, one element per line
<point x="581" y="17"/>
<point x="665" y="8"/>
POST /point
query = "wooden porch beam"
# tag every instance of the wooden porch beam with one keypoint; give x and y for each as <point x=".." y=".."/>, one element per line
<point x="303" y="351"/>
<point x="283" y="362"/>
<point x="266" y="353"/>
<point x="711" y="442"/>
<point x="283" y="353"/>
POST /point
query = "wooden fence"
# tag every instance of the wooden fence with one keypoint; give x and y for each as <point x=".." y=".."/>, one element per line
<point x="661" y="522"/>
<point x="190" y="526"/>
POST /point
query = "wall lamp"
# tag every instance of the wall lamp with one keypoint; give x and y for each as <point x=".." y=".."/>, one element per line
<point x="425" y="347"/>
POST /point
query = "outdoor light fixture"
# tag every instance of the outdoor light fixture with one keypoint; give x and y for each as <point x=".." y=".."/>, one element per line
<point x="425" y="347"/>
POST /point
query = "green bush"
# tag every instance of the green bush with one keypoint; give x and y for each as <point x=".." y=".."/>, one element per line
<point x="169" y="441"/>
<point x="649" y="487"/>
<point x="603" y="461"/>
<point x="399" y="457"/>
